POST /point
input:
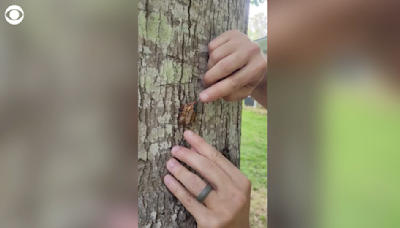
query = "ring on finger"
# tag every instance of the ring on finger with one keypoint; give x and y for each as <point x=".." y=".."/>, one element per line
<point x="193" y="183"/>
<point x="204" y="193"/>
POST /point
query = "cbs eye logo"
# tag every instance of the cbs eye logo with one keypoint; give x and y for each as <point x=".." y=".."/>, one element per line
<point x="14" y="15"/>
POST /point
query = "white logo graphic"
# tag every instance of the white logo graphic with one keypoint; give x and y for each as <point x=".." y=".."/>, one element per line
<point x="14" y="15"/>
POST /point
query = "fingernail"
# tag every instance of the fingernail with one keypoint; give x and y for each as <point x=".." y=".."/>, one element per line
<point x="204" y="97"/>
<point x="189" y="133"/>
<point x="175" y="149"/>
<point x="167" y="179"/>
<point x="171" y="163"/>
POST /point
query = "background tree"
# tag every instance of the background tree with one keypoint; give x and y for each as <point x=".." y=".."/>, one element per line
<point x="257" y="2"/>
<point x="258" y="26"/>
<point x="173" y="39"/>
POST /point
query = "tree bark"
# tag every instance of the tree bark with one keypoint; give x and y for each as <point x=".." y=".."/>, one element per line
<point x="173" y="39"/>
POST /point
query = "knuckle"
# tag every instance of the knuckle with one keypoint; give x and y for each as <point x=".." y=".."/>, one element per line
<point x="195" y="184"/>
<point x="208" y="165"/>
<point x="263" y="64"/>
<point x="214" y="57"/>
<point x="173" y="188"/>
<point x="214" y="222"/>
<point x="198" y="141"/>
<point x="225" y="65"/>
<point x="216" y="156"/>
<point x="254" y="48"/>
<point x="206" y="79"/>
<point x="236" y="31"/>
<point x="240" y="199"/>
<point x="229" y="98"/>
<point x="178" y="171"/>
<point x="211" y="45"/>
<point x="237" y="58"/>
<point x="188" y="199"/>
<point x="234" y="82"/>
<point x="211" y="48"/>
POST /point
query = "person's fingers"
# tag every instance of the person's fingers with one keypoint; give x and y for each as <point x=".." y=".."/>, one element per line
<point x="221" y="52"/>
<point x="193" y="183"/>
<point x="243" y="92"/>
<point x="240" y="94"/>
<point x="197" y="209"/>
<point x="220" y="40"/>
<point x="122" y="218"/>
<point x="224" y="68"/>
<point x="207" y="168"/>
<point x="227" y="86"/>
<point x="218" y="158"/>
<point x="194" y="149"/>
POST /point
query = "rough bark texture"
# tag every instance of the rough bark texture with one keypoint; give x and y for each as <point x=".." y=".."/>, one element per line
<point x="173" y="38"/>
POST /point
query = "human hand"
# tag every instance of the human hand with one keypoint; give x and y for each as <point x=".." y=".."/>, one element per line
<point x="228" y="203"/>
<point x="121" y="217"/>
<point x="235" y="67"/>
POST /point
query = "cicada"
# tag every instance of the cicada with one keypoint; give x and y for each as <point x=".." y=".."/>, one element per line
<point x="188" y="114"/>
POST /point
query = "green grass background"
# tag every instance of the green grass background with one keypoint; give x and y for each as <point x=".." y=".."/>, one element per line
<point x="253" y="151"/>
<point x="253" y="162"/>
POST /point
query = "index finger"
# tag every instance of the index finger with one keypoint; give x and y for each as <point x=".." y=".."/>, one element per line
<point x="226" y="86"/>
<point x="211" y="153"/>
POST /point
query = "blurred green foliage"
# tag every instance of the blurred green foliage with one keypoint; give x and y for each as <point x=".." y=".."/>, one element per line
<point x="258" y="26"/>
<point x="360" y="166"/>
<point x="257" y="2"/>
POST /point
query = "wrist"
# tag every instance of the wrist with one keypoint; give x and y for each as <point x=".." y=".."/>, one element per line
<point x="261" y="86"/>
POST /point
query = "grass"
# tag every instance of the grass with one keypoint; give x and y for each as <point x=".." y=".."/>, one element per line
<point x="253" y="162"/>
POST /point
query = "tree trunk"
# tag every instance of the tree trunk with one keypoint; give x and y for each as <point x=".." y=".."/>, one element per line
<point x="173" y="39"/>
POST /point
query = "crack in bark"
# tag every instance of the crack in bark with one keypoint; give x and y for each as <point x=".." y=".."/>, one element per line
<point x="189" y="20"/>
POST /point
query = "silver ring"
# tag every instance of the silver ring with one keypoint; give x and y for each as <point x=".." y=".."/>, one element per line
<point x="203" y="194"/>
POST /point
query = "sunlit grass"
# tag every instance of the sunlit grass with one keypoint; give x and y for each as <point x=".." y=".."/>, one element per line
<point x="253" y="162"/>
